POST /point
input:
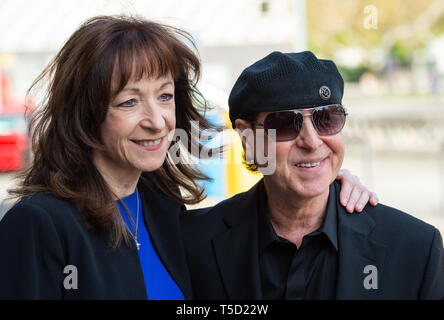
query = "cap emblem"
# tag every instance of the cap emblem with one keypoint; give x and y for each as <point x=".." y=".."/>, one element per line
<point x="324" y="92"/>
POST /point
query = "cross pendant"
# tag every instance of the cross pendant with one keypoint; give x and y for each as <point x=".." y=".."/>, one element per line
<point x="137" y="244"/>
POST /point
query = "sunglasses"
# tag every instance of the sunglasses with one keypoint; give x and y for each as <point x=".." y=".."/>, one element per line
<point x="327" y="120"/>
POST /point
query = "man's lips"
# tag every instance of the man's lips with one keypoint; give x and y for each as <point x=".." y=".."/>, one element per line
<point x="310" y="163"/>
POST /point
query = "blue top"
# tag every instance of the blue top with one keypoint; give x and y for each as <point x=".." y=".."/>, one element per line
<point x="158" y="282"/>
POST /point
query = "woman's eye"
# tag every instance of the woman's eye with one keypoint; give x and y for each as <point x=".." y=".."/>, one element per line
<point x="166" y="97"/>
<point x="128" y="103"/>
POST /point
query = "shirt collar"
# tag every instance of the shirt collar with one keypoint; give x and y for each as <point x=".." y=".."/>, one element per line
<point x="266" y="231"/>
<point x="267" y="234"/>
<point x="330" y="224"/>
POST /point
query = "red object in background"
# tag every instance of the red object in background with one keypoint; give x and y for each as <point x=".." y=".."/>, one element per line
<point x="12" y="151"/>
<point x="13" y="137"/>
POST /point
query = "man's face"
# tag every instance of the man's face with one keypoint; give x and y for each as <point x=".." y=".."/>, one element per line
<point x="306" y="165"/>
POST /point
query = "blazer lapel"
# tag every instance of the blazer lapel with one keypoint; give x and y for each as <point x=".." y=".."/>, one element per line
<point x="162" y="220"/>
<point x="359" y="257"/>
<point x="236" y="249"/>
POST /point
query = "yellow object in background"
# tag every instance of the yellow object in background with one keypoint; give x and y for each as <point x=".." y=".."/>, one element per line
<point x="239" y="179"/>
<point x="230" y="177"/>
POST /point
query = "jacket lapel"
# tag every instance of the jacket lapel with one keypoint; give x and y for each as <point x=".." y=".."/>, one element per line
<point x="356" y="252"/>
<point x="239" y="243"/>
<point x="162" y="220"/>
<point x="236" y="249"/>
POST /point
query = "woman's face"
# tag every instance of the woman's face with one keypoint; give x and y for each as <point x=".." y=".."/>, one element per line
<point x="137" y="124"/>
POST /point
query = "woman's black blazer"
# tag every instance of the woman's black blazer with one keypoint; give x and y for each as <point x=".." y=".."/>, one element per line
<point x="47" y="252"/>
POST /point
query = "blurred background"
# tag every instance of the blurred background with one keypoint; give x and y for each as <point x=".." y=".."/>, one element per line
<point x="389" y="53"/>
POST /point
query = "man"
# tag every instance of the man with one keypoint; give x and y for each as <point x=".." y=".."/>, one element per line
<point x="288" y="237"/>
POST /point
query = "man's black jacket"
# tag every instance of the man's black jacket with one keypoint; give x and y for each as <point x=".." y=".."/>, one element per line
<point x="222" y="252"/>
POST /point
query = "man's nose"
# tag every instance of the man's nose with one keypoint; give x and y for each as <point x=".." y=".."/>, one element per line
<point x="308" y="138"/>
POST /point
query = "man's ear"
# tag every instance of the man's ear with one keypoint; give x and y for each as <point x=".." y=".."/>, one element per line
<point x="241" y="126"/>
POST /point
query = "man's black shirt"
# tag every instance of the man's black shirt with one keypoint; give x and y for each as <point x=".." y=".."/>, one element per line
<point x="309" y="272"/>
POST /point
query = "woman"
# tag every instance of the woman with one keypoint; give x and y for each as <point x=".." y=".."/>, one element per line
<point x="98" y="210"/>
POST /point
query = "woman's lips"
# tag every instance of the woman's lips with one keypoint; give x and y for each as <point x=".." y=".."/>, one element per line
<point x="149" y="145"/>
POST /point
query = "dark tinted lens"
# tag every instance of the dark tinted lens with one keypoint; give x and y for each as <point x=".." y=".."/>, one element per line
<point x="285" y="123"/>
<point x="329" y="120"/>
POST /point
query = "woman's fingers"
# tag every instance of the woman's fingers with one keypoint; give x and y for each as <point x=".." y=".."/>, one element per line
<point x="353" y="195"/>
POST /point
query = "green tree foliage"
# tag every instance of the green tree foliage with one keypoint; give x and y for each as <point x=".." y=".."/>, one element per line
<point x="334" y="24"/>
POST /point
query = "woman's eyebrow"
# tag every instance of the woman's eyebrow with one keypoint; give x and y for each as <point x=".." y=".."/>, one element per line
<point x="138" y="90"/>
<point x="167" y="83"/>
<point x="131" y="89"/>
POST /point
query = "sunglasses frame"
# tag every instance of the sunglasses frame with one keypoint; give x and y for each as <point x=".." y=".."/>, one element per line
<point x="341" y="107"/>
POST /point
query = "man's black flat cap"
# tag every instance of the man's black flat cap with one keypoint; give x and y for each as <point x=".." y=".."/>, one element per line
<point x="283" y="81"/>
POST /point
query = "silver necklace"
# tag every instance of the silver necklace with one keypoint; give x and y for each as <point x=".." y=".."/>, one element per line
<point x="137" y="224"/>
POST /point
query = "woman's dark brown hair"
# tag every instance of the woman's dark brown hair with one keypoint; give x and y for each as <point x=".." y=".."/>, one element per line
<point x="65" y="127"/>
